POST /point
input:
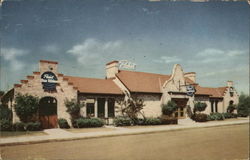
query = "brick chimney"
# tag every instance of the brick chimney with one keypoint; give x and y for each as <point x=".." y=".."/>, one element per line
<point x="45" y="65"/>
<point x="111" y="69"/>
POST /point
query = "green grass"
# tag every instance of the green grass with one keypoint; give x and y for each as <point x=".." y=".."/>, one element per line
<point x="7" y="134"/>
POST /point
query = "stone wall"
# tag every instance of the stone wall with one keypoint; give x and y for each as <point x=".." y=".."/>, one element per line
<point x="33" y="86"/>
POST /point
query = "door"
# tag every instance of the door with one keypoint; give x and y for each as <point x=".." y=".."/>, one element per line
<point x="48" y="112"/>
<point x="181" y="107"/>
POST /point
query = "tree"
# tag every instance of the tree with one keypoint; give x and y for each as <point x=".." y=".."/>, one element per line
<point x="231" y="108"/>
<point x="26" y="107"/>
<point x="73" y="108"/>
<point x="169" y="108"/>
<point x="243" y="108"/>
<point x="5" y="112"/>
<point x="1" y="93"/>
<point x="200" y="106"/>
<point x="132" y="108"/>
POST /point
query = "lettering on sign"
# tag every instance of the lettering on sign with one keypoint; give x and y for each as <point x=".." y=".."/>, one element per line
<point x="190" y="90"/>
<point x="49" y="81"/>
<point x="125" y="64"/>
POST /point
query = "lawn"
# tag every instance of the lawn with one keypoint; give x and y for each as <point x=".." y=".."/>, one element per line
<point x="7" y="134"/>
<point x="86" y="130"/>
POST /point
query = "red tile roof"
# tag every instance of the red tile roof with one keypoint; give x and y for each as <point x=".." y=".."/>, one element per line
<point x="142" y="82"/>
<point x="213" y="92"/>
<point x="93" y="85"/>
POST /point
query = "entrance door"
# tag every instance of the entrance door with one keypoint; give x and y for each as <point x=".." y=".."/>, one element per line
<point x="181" y="104"/>
<point x="48" y="112"/>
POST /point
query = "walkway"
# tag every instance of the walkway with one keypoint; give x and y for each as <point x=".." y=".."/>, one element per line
<point x="62" y="135"/>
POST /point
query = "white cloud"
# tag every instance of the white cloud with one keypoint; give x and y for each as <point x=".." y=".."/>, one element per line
<point x="92" y="49"/>
<point x="210" y="52"/>
<point x="211" y="55"/>
<point x="225" y="71"/>
<point x="51" y="49"/>
<point x="12" y="55"/>
<point x="167" y="59"/>
<point x="234" y="53"/>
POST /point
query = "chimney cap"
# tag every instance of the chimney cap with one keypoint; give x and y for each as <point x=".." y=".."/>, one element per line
<point x="115" y="61"/>
<point x="46" y="61"/>
<point x="189" y="73"/>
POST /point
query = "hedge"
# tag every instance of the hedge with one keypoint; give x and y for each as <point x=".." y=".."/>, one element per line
<point x="89" y="122"/>
<point x="200" y="117"/>
<point x="215" y="116"/>
<point x="122" y="121"/>
<point x="63" y="123"/>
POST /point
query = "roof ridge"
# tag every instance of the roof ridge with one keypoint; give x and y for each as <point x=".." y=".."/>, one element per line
<point x="147" y="73"/>
<point x="85" y="77"/>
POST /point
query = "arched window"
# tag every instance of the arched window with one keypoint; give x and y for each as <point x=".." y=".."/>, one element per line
<point x="231" y="102"/>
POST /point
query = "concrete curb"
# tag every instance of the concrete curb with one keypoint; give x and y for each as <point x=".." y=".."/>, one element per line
<point x="90" y="135"/>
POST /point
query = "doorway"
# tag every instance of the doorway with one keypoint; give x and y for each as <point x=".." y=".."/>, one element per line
<point x="181" y="111"/>
<point x="48" y="112"/>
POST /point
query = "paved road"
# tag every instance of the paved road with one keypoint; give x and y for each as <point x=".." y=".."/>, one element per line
<point x="227" y="142"/>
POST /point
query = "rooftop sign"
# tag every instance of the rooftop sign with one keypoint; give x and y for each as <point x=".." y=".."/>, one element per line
<point x="125" y="64"/>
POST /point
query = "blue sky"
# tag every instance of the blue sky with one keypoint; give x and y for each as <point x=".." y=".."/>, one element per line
<point x="211" y="39"/>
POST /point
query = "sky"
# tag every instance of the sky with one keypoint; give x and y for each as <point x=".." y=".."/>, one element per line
<point x="210" y="38"/>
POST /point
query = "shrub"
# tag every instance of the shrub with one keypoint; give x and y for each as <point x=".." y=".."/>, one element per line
<point x="200" y="106"/>
<point x="19" y="126"/>
<point x="5" y="112"/>
<point x="33" y="126"/>
<point x="231" y="108"/>
<point x="63" y="123"/>
<point x="73" y="108"/>
<point x="5" y="125"/>
<point x="200" y="117"/>
<point x="152" y="121"/>
<point x="216" y="116"/>
<point x="123" y="121"/>
<point x="26" y="107"/>
<point x="169" y="120"/>
<point x="89" y="122"/>
<point x="169" y="108"/>
<point x="229" y="115"/>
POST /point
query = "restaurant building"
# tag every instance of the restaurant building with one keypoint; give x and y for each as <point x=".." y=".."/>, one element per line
<point x="102" y="96"/>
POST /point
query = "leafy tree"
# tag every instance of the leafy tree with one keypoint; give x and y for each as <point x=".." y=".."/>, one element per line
<point x="231" y="108"/>
<point x="1" y="93"/>
<point x="5" y="112"/>
<point x="73" y="108"/>
<point x="200" y="106"/>
<point x="169" y="108"/>
<point x="243" y="108"/>
<point x="26" y="107"/>
<point x="132" y="108"/>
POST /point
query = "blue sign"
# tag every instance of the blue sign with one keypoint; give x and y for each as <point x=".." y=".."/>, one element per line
<point x="190" y="90"/>
<point x="49" y="81"/>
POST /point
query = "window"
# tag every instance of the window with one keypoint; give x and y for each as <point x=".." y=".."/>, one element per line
<point x="90" y="109"/>
<point x="231" y="102"/>
<point x="101" y="107"/>
<point x="216" y="106"/>
<point x="111" y="107"/>
<point x="212" y="106"/>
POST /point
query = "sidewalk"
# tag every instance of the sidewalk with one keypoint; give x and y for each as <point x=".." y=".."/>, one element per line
<point x="63" y="135"/>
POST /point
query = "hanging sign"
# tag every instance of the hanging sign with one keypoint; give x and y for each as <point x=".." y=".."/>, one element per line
<point x="190" y="90"/>
<point x="125" y="64"/>
<point x="49" y="81"/>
